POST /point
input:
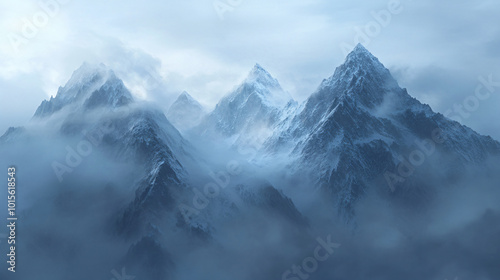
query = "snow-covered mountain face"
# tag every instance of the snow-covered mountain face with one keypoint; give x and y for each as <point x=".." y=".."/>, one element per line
<point x="129" y="190"/>
<point x="92" y="86"/>
<point x="249" y="113"/>
<point x="98" y="146"/>
<point x="95" y="111"/>
<point x="186" y="112"/>
<point x="359" y="124"/>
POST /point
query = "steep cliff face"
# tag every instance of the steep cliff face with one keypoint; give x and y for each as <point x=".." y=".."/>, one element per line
<point x="359" y="124"/>
<point x="249" y="113"/>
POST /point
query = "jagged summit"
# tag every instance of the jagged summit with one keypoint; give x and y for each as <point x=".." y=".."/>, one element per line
<point x="360" y="49"/>
<point x="86" y="75"/>
<point x="364" y="59"/>
<point x="359" y="122"/>
<point x="86" y="70"/>
<point x="251" y="110"/>
<point x="261" y="76"/>
<point x="361" y="65"/>
<point x="261" y="84"/>
<point x="90" y="86"/>
<point x="112" y="93"/>
<point x="361" y="79"/>
<point x="259" y="71"/>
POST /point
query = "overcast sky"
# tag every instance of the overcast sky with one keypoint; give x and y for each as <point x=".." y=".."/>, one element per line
<point x="436" y="49"/>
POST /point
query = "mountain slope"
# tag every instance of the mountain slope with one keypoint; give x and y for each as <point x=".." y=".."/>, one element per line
<point x="91" y="85"/>
<point x="166" y="169"/>
<point x="359" y="124"/>
<point x="249" y="113"/>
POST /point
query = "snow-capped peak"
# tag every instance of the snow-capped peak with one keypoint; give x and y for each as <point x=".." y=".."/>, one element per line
<point x="88" y="69"/>
<point x="91" y="86"/>
<point x="361" y="66"/>
<point x="87" y="75"/>
<point x="265" y="86"/>
<point x="259" y="75"/>
<point x="250" y="111"/>
<point x="360" y="49"/>
<point x="361" y="57"/>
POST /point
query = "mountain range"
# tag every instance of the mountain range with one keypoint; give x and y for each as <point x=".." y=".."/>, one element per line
<point x="171" y="187"/>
